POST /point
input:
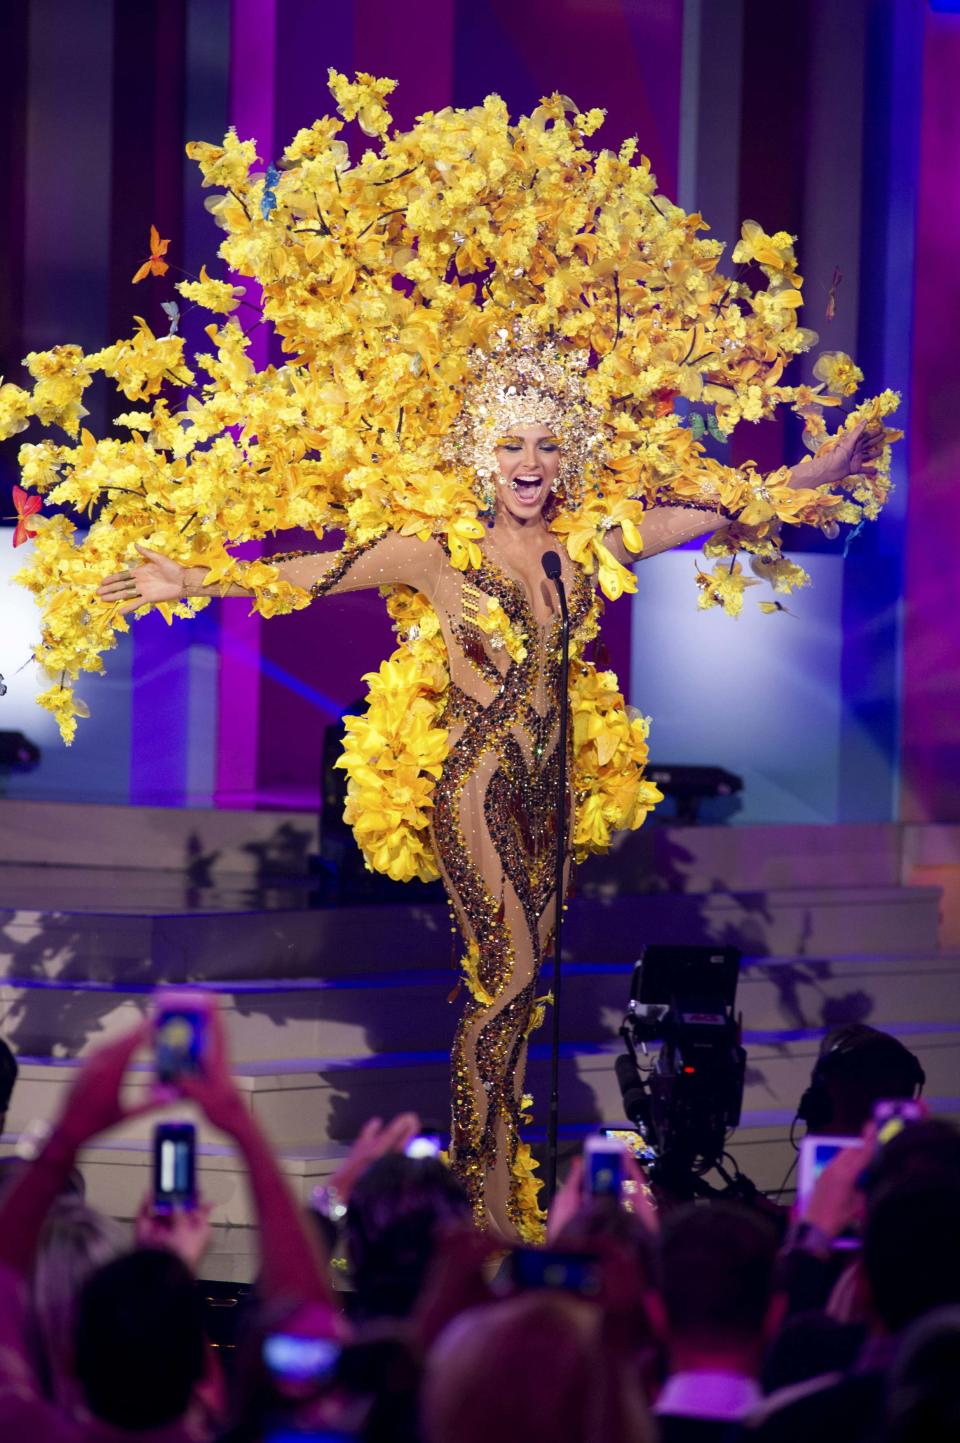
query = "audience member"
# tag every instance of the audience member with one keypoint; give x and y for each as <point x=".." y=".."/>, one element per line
<point x="910" y="1266"/>
<point x="719" y="1312"/>
<point x="74" y="1242"/>
<point x="8" y="1078"/>
<point x="138" y="1342"/>
<point x="923" y="1396"/>
<point x="807" y="1348"/>
<point x="396" y="1210"/>
<point x="536" y="1368"/>
<point x="858" y="1067"/>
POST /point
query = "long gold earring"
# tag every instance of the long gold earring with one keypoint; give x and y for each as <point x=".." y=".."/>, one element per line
<point x="488" y="501"/>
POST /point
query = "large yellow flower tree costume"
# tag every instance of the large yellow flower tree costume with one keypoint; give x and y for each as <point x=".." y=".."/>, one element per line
<point x="391" y="283"/>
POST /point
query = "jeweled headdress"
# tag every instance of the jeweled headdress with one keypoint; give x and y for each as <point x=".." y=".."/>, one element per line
<point x="523" y="379"/>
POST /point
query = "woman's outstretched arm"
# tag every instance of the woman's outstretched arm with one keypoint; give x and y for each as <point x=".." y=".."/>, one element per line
<point x="664" y="527"/>
<point x="389" y="560"/>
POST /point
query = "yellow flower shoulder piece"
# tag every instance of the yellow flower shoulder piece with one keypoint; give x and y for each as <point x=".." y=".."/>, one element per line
<point x="394" y="752"/>
<point x="609" y="760"/>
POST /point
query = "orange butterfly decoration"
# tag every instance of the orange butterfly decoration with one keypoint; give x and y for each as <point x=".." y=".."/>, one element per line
<point x="27" y="506"/>
<point x="156" y="265"/>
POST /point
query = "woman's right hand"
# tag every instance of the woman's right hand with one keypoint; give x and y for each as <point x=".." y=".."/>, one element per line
<point x="157" y="578"/>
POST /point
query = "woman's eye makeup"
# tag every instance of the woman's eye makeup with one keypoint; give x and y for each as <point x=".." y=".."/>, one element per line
<point x="511" y="443"/>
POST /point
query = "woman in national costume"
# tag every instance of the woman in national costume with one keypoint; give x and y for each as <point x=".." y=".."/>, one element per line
<point x="500" y="343"/>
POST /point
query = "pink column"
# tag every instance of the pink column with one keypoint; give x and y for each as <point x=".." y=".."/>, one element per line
<point x="931" y="673"/>
<point x="252" y="103"/>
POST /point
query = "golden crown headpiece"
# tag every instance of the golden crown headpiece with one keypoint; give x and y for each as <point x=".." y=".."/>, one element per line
<point x="525" y="379"/>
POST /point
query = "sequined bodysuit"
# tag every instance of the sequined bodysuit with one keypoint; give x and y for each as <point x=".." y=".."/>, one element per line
<point x="494" y="829"/>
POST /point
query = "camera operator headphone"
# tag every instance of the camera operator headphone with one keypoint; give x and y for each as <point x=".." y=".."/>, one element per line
<point x="816" y="1105"/>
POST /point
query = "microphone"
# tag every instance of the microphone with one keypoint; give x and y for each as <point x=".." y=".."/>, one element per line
<point x="553" y="571"/>
<point x="551" y="565"/>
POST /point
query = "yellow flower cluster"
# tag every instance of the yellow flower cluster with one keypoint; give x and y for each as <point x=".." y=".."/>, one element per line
<point x="495" y="623"/>
<point x="530" y="1218"/>
<point x="470" y="965"/>
<point x="609" y="759"/>
<point x="394" y="753"/>
<point x="380" y="277"/>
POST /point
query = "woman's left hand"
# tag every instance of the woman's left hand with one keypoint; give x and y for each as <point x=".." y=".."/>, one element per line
<point x="854" y="452"/>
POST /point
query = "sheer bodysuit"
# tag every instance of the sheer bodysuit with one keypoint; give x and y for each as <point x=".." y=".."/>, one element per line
<point x="494" y="826"/>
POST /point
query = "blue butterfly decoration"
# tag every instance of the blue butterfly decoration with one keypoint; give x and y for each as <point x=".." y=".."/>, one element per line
<point x="268" y="201"/>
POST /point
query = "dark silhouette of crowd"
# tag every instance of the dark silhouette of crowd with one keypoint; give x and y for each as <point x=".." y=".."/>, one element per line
<point x="381" y="1313"/>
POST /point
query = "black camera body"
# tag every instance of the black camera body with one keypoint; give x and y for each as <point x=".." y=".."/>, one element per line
<point x="687" y="1100"/>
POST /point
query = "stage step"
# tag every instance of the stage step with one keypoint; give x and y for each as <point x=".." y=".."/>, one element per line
<point x="118" y="1177"/>
<point x="305" y="1101"/>
<point x="230" y="842"/>
<point x="361" y="1015"/>
<point x="192" y="941"/>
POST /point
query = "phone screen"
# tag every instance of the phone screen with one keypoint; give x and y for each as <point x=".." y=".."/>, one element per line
<point x="603" y="1163"/>
<point x="427" y="1144"/>
<point x="179" y="1041"/>
<point x="633" y="1141"/>
<point x="174" y="1165"/>
<point x="816" y="1153"/>
<point x="543" y="1268"/>
<point x="298" y="1359"/>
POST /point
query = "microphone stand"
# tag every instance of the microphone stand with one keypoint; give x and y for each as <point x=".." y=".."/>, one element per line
<point x="551" y="565"/>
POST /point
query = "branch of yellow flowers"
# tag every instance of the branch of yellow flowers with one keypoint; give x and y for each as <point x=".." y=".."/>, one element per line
<point x="398" y="210"/>
<point x="391" y="178"/>
<point x="240" y="202"/>
<point x="134" y="491"/>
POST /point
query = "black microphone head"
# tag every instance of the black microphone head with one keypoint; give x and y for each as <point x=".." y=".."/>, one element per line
<point x="551" y="565"/>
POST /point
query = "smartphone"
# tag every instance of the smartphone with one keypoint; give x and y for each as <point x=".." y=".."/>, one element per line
<point x="893" y="1115"/>
<point x="577" y="1273"/>
<point x="603" y="1166"/>
<point x="292" y="1358"/>
<point x="289" y="1433"/>
<point x="427" y="1144"/>
<point x="174" y="1166"/>
<point x="815" y="1154"/>
<point x="180" y="1035"/>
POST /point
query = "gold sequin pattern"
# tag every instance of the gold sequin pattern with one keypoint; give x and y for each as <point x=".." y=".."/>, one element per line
<point x="519" y="819"/>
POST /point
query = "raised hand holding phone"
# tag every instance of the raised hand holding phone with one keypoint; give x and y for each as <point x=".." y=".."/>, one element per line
<point x="184" y="1231"/>
<point x="192" y="1059"/>
<point x="834" y="1202"/>
<point x="93" y="1103"/>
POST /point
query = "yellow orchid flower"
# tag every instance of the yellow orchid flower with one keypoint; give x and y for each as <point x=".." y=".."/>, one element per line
<point x="495" y="623"/>
<point x="840" y="374"/>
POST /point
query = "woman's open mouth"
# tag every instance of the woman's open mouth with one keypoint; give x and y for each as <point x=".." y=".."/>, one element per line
<point x="527" y="489"/>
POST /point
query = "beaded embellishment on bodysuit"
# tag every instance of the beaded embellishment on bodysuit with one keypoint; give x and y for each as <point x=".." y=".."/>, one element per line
<point x="509" y="738"/>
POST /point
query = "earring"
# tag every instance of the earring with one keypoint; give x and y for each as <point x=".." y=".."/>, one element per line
<point x="488" y="499"/>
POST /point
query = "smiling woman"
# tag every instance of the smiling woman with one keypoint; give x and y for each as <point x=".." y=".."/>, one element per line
<point x="488" y="325"/>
